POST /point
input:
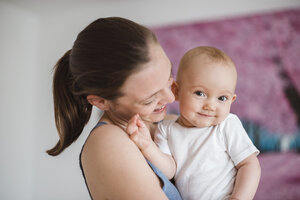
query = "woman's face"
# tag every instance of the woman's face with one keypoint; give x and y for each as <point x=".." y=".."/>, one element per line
<point x="147" y="92"/>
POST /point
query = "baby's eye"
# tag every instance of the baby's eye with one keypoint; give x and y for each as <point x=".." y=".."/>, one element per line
<point x="200" y="93"/>
<point x="222" y="98"/>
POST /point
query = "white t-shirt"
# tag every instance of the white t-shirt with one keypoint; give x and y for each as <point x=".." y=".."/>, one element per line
<point x="205" y="157"/>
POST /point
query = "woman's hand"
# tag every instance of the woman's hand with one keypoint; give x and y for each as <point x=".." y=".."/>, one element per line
<point x="139" y="133"/>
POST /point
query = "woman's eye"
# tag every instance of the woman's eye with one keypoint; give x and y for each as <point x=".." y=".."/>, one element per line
<point x="222" y="98"/>
<point x="200" y="93"/>
<point x="148" y="103"/>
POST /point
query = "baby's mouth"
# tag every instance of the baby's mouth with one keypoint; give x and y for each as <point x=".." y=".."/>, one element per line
<point x="205" y="115"/>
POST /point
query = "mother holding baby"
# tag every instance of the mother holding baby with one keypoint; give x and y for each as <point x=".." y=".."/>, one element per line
<point x="119" y="67"/>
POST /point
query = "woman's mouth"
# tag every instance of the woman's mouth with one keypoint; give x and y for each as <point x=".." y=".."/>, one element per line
<point x="159" y="110"/>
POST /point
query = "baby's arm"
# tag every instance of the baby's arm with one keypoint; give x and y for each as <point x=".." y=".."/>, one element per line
<point x="247" y="179"/>
<point x="140" y="135"/>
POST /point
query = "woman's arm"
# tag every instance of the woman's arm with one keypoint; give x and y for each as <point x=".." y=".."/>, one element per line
<point x="115" y="168"/>
<point x="141" y="136"/>
<point x="247" y="179"/>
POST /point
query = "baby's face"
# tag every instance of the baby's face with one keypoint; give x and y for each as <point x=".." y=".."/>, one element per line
<point x="205" y="93"/>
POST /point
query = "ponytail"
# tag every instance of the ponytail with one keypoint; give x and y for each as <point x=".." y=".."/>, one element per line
<point x="103" y="56"/>
<point x="72" y="112"/>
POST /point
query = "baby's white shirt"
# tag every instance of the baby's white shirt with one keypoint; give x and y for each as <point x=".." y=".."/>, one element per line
<point x="205" y="157"/>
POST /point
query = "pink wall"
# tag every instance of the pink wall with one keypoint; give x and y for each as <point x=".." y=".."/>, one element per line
<point x="266" y="50"/>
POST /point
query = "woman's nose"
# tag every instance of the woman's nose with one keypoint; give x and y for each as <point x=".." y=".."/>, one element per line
<point x="167" y="96"/>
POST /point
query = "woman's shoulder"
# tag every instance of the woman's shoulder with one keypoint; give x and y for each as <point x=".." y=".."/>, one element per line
<point x="104" y="139"/>
<point x="107" y="131"/>
<point x="111" y="160"/>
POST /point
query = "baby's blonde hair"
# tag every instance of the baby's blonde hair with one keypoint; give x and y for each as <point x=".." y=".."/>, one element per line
<point x="211" y="54"/>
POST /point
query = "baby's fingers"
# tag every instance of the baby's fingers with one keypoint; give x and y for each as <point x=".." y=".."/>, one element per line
<point x="140" y="123"/>
<point x="132" y="125"/>
<point x="135" y="137"/>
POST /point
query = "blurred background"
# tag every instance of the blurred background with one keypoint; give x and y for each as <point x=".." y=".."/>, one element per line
<point x="262" y="37"/>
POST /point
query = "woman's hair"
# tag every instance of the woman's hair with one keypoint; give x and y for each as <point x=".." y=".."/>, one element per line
<point x="103" y="56"/>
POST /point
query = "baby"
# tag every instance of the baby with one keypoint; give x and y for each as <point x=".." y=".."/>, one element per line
<point x="206" y="149"/>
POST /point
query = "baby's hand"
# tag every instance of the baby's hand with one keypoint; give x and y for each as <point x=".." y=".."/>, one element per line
<point x="138" y="132"/>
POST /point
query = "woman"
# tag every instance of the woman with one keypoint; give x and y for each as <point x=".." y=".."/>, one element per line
<point x="119" y="67"/>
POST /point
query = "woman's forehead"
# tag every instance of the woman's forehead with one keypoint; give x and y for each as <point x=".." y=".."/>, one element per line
<point x="147" y="83"/>
<point x="151" y="79"/>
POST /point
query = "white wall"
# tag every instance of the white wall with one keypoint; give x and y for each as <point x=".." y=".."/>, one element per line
<point x="35" y="35"/>
<point x="18" y="59"/>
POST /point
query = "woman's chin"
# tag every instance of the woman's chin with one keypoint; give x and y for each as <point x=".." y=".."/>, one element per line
<point x="159" y="116"/>
<point x="155" y="117"/>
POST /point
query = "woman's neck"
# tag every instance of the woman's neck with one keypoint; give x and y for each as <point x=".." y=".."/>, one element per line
<point x="122" y="122"/>
<point x="112" y="119"/>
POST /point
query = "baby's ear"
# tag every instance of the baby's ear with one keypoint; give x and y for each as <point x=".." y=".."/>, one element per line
<point x="175" y="90"/>
<point x="233" y="98"/>
<point x="99" y="102"/>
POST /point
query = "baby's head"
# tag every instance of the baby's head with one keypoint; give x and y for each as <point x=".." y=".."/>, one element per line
<point x="205" y="87"/>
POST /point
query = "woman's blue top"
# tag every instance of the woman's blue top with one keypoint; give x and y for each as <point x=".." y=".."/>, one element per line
<point x="169" y="189"/>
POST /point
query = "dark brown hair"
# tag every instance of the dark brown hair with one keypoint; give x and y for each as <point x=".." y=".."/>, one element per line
<point x="104" y="54"/>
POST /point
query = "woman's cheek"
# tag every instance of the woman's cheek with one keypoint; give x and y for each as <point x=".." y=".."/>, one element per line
<point x="146" y="111"/>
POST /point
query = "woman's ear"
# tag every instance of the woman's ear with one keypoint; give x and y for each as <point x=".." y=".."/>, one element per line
<point x="175" y="90"/>
<point x="99" y="102"/>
